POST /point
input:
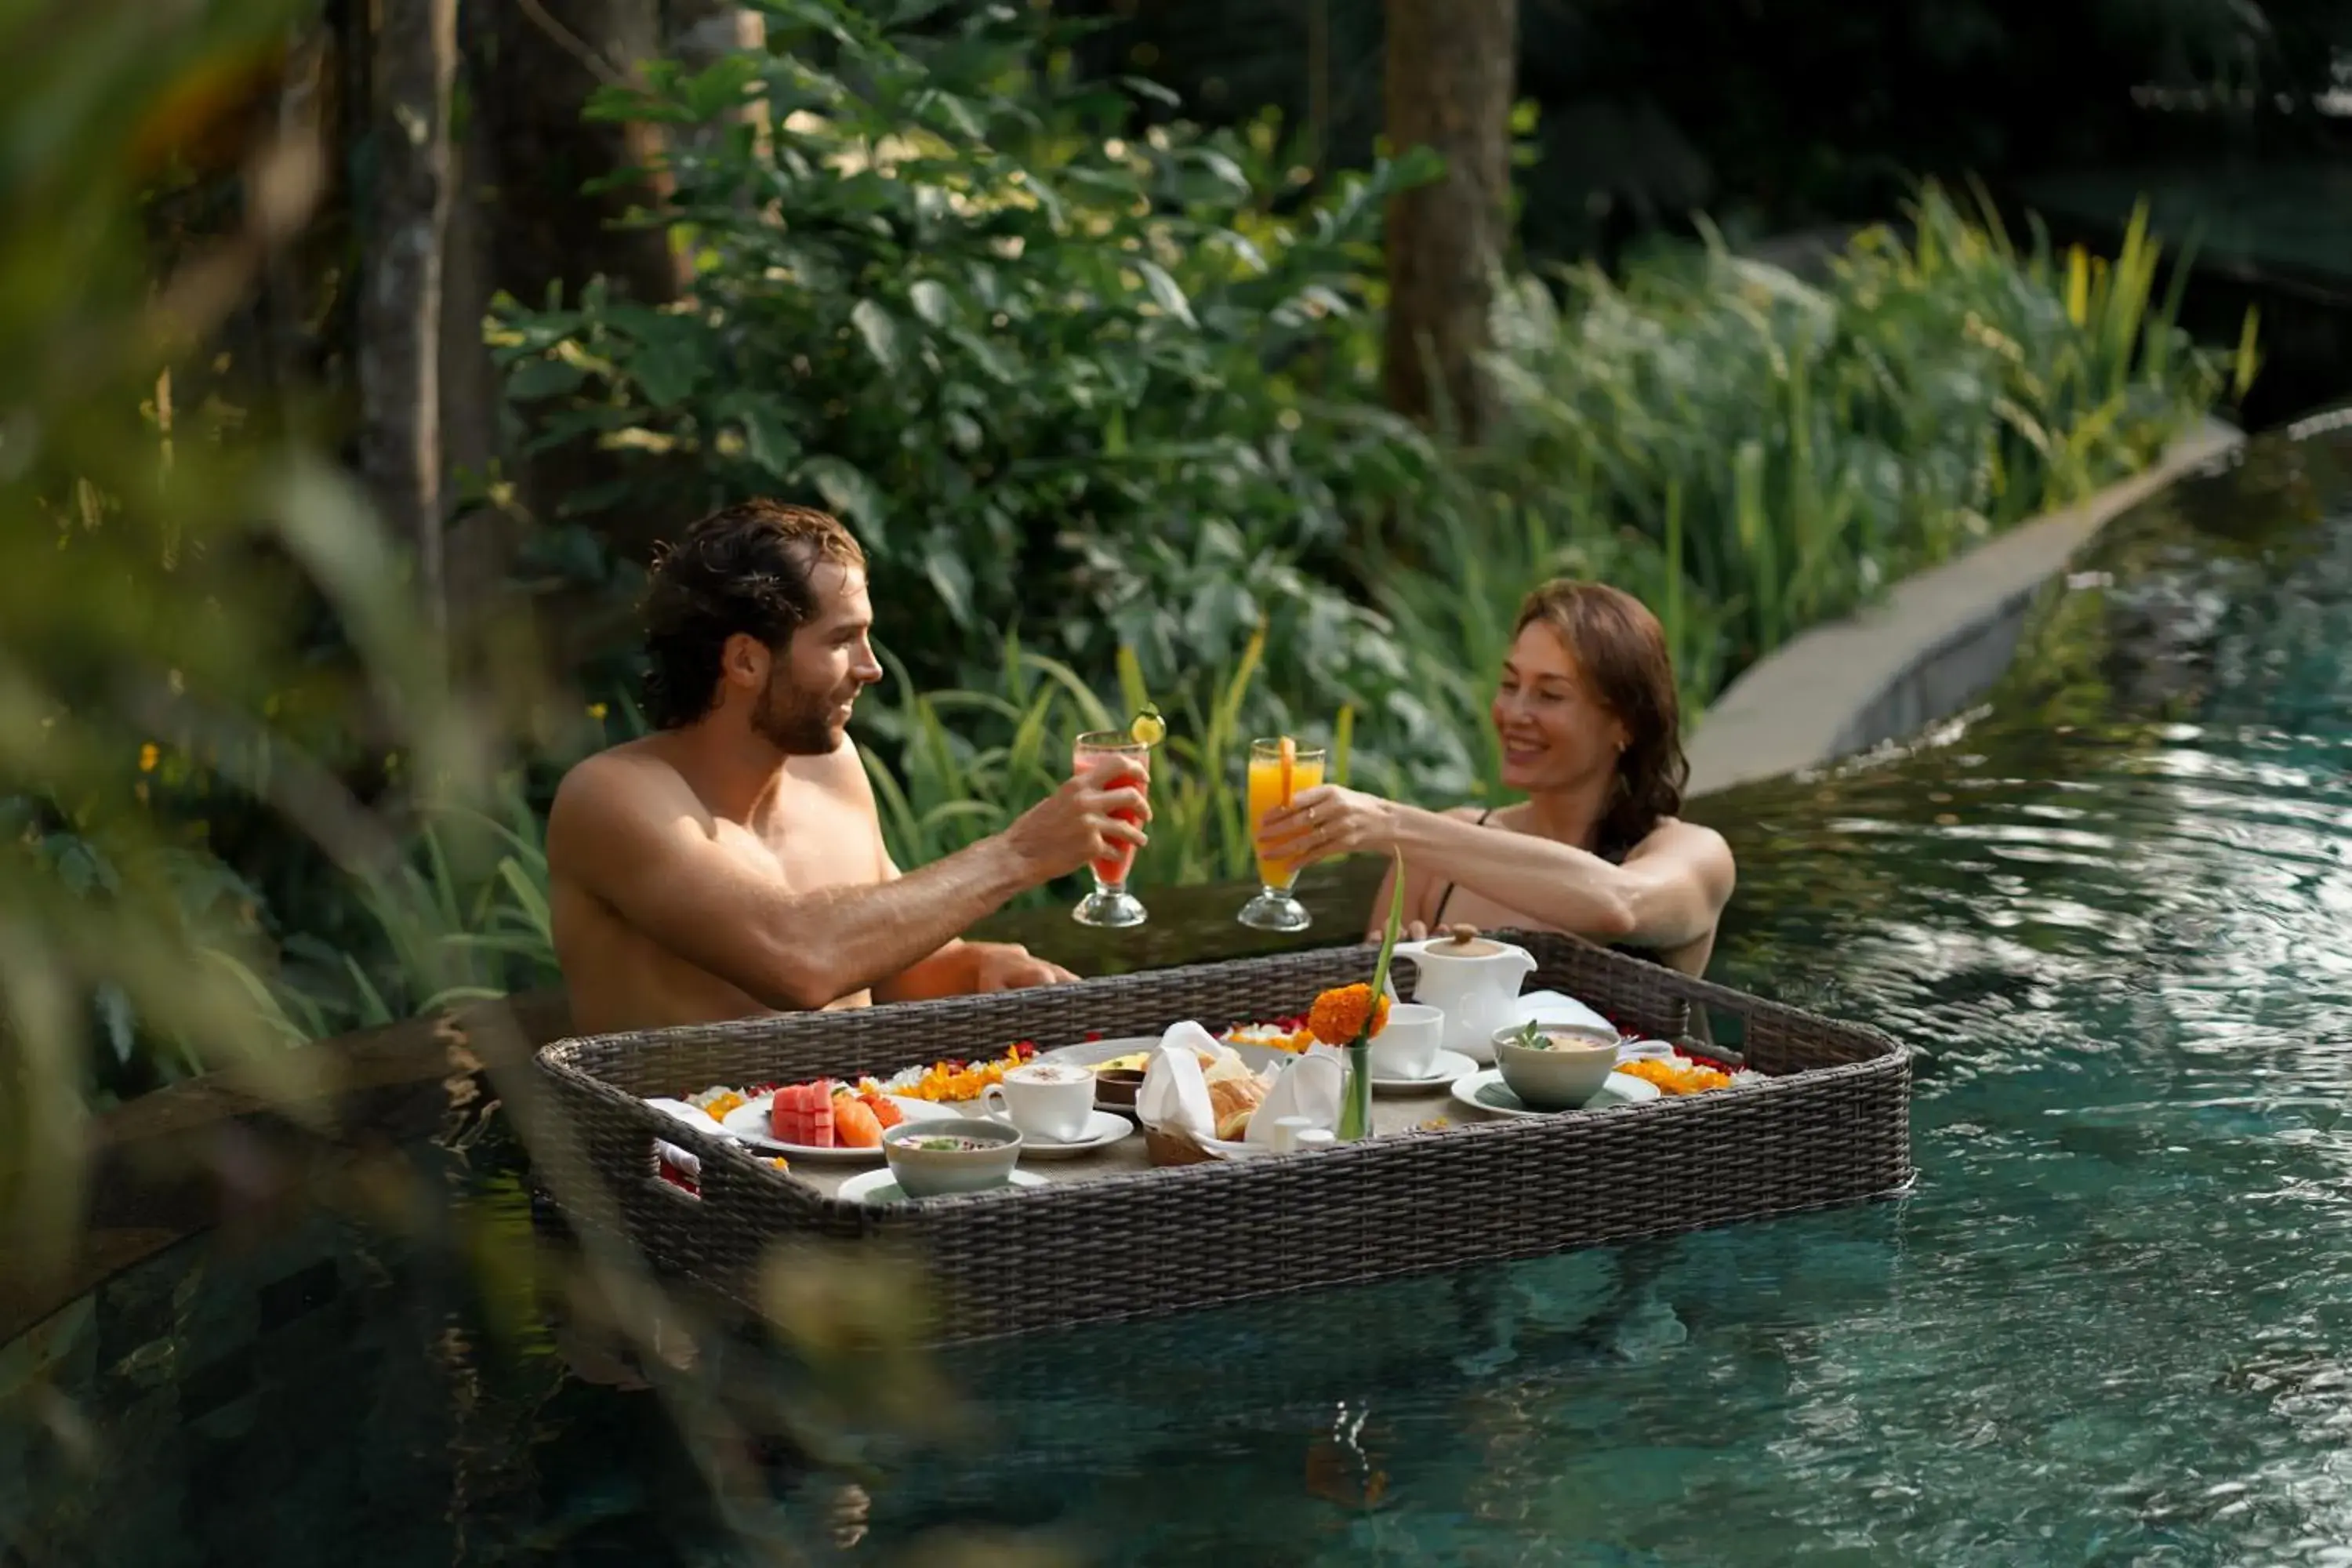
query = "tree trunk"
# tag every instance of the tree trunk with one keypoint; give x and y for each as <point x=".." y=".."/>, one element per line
<point x="1451" y="66"/>
<point x="701" y="33"/>
<point x="533" y="65"/>
<point x="415" y="49"/>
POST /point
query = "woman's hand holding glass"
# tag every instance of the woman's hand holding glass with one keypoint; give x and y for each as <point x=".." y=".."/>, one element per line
<point x="1327" y="821"/>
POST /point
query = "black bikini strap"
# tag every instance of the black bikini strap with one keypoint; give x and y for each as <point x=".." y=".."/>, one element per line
<point x="1447" y="897"/>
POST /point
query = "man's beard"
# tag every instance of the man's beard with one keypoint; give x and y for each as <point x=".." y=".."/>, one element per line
<point x="797" y="724"/>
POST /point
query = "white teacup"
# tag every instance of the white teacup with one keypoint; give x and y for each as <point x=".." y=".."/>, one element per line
<point x="1045" y="1099"/>
<point x="1408" y="1046"/>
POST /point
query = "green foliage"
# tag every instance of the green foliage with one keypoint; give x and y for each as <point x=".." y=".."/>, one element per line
<point x="1754" y="455"/>
<point x="1101" y="386"/>
<point x="164" y="563"/>
<point x="1103" y="404"/>
<point x="1746" y="453"/>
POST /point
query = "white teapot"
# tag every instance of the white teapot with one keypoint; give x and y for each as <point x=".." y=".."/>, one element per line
<point x="1472" y="983"/>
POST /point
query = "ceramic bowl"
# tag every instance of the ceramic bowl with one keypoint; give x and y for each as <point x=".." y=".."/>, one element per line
<point x="1563" y="1076"/>
<point x="1118" y="1086"/>
<point x="925" y="1173"/>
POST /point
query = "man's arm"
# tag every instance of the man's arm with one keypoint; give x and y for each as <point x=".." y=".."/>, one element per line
<point x="948" y="971"/>
<point x="959" y="967"/>
<point x="636" y="837"/>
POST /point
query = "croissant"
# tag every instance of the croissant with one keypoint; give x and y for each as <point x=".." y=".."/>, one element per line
<point x="1233" y="1101"/>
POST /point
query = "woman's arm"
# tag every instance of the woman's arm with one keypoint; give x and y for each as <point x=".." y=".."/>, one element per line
<point x="1669" y="891"/>
<point x="1421" y="894"/>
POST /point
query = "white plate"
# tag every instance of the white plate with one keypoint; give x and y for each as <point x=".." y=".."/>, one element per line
<point x="748" y="1121"/>
<point x="882" y="1186"/>
<point x="1484" y="1091"/>
<point x="1104" y="1129"/>
<point x="1086" y="1053"/>
<point x="1451" y="1065"/>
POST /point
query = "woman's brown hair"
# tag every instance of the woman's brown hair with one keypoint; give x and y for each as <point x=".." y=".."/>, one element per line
<point x="1620" y="651"/>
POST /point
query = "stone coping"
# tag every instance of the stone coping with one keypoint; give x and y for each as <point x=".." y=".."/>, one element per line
<point x="1933" y="645"/>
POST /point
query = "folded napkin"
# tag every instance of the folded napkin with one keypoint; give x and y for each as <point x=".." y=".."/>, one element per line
<point x="1308" y="1086"/>
<point x="1175" y="1093"/>
<point x="685" y="1161"/>
<point x="692" y="1115"/>
<point x="1175" y="1096"/>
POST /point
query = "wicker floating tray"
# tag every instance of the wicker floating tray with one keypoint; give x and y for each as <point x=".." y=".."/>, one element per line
<point x="1111" y="1237"/>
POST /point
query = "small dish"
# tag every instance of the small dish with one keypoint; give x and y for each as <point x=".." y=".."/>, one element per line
<point x="1486" y="1091"/>
<point x="1451" y="1065"/>
<point x="1565" y="1070"/>
<point x="931" y="1160"/>
<point x="1103" y="1128"/>
<point x="881" y="1188"/>
<point x="1115" y="1089"/>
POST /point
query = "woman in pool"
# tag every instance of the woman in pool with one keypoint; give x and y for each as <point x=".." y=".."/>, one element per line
<point x="1591" y="733"/>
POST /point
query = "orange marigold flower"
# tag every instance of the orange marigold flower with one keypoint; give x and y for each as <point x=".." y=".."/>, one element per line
<point x="1680" y="1076"/>
<point x="1337" y="1016"/>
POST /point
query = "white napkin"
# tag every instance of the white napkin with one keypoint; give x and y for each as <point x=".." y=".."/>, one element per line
<point x="693" y="1116"/>
<point x="1175" y="1096"/>
<point x="686" y="1163"/>
<point x="1308" y="1086"/>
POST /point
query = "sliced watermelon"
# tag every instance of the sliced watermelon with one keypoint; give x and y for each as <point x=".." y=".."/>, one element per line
<point x="820" y="1127"/>
<point x="795" y="1097"/>
<point x="802" y="1113"/>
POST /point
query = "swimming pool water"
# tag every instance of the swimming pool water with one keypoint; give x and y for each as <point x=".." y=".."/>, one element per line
<point x="2114" y="1322"/>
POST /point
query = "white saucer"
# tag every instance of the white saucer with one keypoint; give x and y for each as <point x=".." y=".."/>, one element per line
<point x="1103" y="1130"/>
<point x="1450" y="1066"/>
<point x="877" y="1187"/>
<point x="749" y="1122"/>
<point x="1486" y="1091"/>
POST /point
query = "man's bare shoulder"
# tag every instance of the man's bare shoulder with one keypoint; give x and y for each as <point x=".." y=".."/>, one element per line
<point x="619" y="784"/>
<point x="841" y="771"/>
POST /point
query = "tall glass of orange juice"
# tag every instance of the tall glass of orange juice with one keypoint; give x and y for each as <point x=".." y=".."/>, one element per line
<point x="1278" y="770"/>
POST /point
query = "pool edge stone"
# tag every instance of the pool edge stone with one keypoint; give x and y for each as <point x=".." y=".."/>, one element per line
<point x="1933" y="645"/>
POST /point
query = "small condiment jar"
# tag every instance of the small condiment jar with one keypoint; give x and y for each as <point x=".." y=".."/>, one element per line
<point x="1288" y="1132"/>
<point x="1319" y="1138"/>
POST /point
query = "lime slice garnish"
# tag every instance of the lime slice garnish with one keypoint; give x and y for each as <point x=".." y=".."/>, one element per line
<point x="1147" y="728"/>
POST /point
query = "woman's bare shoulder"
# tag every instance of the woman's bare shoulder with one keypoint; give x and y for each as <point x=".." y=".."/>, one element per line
<point x="1691" y="842"/>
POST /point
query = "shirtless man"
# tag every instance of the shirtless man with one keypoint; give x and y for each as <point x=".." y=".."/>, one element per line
<point x="732" y="863"/>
